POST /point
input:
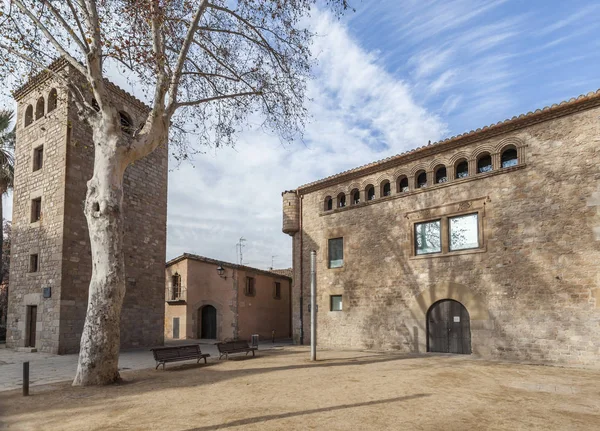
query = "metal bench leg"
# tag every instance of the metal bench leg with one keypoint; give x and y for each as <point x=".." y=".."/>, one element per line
<point x="205" y="361"/>
<point x="253" y="353"/>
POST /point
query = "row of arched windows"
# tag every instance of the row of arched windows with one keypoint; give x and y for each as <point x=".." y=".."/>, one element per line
<point x="461" y="169"/>
<point x="40" y="107"/>
<point x="40" y="111"/>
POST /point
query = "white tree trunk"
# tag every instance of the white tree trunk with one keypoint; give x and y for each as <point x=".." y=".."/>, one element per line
<point x="100" y="340"/>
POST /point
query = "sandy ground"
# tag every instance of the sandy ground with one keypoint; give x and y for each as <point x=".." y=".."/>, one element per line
<point x="344" y="390"/>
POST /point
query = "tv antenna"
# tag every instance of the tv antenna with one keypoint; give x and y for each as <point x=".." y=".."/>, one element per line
<point x="239" y="246"/>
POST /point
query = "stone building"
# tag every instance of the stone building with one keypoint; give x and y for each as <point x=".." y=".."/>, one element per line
<point x="50" y="255"/>
<point x="212" y="299"/>
<point x="485" y="243"/>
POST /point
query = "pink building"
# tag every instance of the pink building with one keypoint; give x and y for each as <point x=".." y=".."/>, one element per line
<point x="211" y="299"/>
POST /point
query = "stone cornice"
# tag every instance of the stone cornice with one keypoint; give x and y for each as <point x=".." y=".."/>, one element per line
<point x="574" y="105"/>
<point x="60" y="64"/>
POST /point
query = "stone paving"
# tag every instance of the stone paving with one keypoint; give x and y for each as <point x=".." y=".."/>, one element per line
<point x="45" y="368"/>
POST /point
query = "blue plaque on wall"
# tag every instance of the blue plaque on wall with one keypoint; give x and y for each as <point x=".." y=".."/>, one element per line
<point x="47" y="292"/>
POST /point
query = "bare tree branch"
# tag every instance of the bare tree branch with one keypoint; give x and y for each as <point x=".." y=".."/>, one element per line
<point x="176" y="77"/>
<point x="212" y="99"/>
<point x="49" y="36"/>
<point x="66" y="26"/>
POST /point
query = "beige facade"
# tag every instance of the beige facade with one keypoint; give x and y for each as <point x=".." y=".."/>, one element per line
<point x="529" y="278"/>
<point x="207" y="298"/>
<point x="50" y="251"/>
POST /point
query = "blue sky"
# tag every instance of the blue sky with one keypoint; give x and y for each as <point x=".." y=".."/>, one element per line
<point x="476" y="62"/>
<point x="390" y="77"/>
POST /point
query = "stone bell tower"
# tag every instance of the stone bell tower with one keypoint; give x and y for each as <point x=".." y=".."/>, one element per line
<point x="50" y="255"/>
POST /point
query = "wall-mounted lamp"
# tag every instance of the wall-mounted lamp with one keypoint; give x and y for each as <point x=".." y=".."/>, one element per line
<point x="221" y="271"/>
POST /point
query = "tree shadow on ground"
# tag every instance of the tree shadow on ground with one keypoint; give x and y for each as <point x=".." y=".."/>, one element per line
<point x="179" y="377"/>
<point x="259" y="419"/>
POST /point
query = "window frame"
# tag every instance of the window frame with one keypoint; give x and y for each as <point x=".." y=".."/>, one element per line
<point x="341" y="303"/>
<point x="34" y="258"/>
<point x="445" y="233"/>
<point x="329" y="240"/>
<point x="36" y="210"/>
<point x="277" y="290"/>
<point x="516" y="159"/>
<point x="449" y="232"/>
<point x="418" y="185"/>
<point x="250" y="287"/>
<point x="438" y="219"/>
<point x="38" y="158"/>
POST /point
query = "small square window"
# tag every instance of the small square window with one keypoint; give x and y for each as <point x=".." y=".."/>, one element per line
<point x="36" y="210"/>
<point x="464" y="232"/>
<point x="428" y="237"/>
<point x="277" y="292"/>
<point x="336" y="303"/>
<point x="38" y="158"/>
<point x="250" y="289"/>
<point x="33" y="263"/>
<point x="336" y="252"/>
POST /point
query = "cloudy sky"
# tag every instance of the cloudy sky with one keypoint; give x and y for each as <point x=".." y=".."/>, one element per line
<point x="390" y="77"/>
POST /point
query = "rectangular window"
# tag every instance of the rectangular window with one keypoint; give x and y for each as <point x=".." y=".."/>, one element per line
<point x="36" y="210"/>
<point x="176" y="328"/>
<point x="464" y="232"/>
<point x="336" y="252"/>
<point x="250" y="290"/>
<point x="277" y="293"/>
<point x="428" y="237"/>
<point x="38" y="158"/>
<point x="33" y="263"/>
<point x="336" y="302"/>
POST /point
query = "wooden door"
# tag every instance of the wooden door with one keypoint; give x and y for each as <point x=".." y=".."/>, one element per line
<point x="209" y="322"/>
<point x="448" y="328"/>
<point x="32" y="325"/>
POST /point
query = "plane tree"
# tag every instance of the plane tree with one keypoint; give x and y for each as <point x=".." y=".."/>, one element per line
<point x="206" y="69"/>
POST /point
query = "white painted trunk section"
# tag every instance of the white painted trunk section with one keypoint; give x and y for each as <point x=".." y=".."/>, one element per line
<point x="100" y="340"/>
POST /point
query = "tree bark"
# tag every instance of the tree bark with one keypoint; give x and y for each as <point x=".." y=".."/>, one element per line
<point x="1" y="236"/>
<point x="100" y="341"/>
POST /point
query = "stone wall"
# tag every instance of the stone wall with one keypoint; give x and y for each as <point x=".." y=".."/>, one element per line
<point x="61" y="236"/>
<point x="531" y="289"/>
<point x="44" y="237"/>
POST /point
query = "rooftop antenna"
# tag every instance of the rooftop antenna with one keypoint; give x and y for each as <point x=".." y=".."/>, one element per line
<point x="240" y="245"/>
<point x="273" y="260"/>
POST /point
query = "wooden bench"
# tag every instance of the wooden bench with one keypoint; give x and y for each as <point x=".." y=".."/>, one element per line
<point x="229" y="347"/>
<point x="162" y="355"/>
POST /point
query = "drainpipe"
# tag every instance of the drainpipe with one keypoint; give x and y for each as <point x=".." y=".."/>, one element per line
<point x="301" y="281"/>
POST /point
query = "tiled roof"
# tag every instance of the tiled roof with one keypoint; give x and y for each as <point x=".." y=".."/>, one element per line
<point x="225" y="264"/>
<point x="288" y="272"/>
<point x="556" y="110"/>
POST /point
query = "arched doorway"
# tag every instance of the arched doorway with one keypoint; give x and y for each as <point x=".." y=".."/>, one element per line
<point x="448" y="328"/>
<point x="208" y="322"/>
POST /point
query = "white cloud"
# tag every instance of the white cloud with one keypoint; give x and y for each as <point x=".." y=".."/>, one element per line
<point x="361" y="113"/>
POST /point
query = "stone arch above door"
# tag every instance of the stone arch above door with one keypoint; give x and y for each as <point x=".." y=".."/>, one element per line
<point x="196" y="315"/>
<point x="473" y="302"/>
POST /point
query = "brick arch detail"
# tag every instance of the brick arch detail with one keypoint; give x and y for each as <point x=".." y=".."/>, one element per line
<point x="483" y="149"/>
<point x="437" y="162"/>
<point x="458" y="156"/>
<point x="417" y="168"/>
<point x="474" y="303"/>
<point x="508" y="142"/>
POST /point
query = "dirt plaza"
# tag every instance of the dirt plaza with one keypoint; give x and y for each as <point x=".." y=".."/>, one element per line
<point x="282" y="389"/>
